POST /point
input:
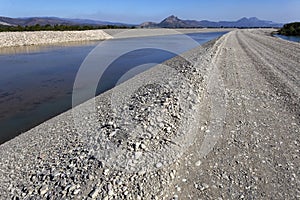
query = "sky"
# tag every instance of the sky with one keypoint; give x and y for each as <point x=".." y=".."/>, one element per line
<point x="138" y="11"/>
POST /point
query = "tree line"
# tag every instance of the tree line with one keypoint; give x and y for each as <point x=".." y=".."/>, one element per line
<point x="58" y="27"/>
<point x="290" y="29"/>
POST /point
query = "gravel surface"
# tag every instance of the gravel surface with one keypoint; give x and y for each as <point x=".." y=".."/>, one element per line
<point x="223" y="124"/>
<point x="113" y="32"/>
<point x="12" y="39"/>
<point x="20" y="39"/>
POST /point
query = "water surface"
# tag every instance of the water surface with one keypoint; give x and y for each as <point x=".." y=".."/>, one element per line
<point x="36" y="83"/>
<point x="290" y="38"/>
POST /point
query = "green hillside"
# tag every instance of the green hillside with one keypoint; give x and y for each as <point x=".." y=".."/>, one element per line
<point x="290" y="29"/>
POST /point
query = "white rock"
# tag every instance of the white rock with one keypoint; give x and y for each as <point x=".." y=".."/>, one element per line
<point x="143" y="146"/>
<point x="138" y="154"/>
<point x="94" y="193"/>
<point x="76" y="191"/>
<point x="106" y="198"/>
<point x="172" y="175"/>
<point x="43" y="190"/>
<point x="106" y="171"/>
<point x="204" y="186"/>
<point x="198" y="163"/>
<point x="110" y="192"/>
<point x="159" y="165"/>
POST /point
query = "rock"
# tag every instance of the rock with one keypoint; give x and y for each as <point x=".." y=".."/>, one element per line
<point x="196" y="185"/>
<point x="175" y="197"/>
<point x="106" y="198"/>
<point x="94" y="193"/>
<point x="138" y="154"/>
<point x="172" y="175"/>
<point x="161" y="125"/>
<point x="143" y="146"/>
<point x="73" y="187"/>
<point x="106" y="171"/>
<point x="159" y="165"/>
<point x="204" y="186"/>
<point x="110" y="190"/>
<point x="198" y="163"/>
<point x="110" y="193"/>
<point x="169" y="129"/>
<point x="43" y="190"/>
<point x="76" y="191"/>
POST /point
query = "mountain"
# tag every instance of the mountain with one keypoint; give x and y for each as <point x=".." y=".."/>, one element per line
<point x="97" y="22"/>
<point x="5" y="24"/>
<point x="175" y="22"/>
<point x="31" y="21"/>
<point x="169" y="22"/>
<point x="148" y="24"/>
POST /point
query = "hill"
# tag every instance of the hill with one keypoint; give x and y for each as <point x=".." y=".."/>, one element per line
<point x="169" y="22"/>
<point x="42" y="21"/>
<point x="290" y="29"/>
<point x="175" y="22"/>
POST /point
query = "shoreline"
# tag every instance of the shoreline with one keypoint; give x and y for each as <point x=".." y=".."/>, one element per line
<point x="44" y="38"/>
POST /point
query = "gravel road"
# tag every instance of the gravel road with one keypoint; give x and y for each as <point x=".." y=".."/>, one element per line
<point x="257" y="154"/>
<point x="224" y="124"/>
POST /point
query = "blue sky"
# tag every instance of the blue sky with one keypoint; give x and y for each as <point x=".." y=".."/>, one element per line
<point x="137" y="11"/>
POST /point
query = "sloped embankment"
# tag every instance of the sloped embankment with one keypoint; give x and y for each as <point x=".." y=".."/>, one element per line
<point x="12" y="39"/>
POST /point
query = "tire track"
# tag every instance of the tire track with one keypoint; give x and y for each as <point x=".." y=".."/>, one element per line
<point x="289" y="69"/>
<point x="287" y="93"/>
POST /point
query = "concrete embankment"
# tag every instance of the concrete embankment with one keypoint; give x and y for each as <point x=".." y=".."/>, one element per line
<point x="221" y="121"/>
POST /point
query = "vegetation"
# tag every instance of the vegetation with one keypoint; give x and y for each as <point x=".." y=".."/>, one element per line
<point x="61" y="27"/>
<point x="290" y="29"/>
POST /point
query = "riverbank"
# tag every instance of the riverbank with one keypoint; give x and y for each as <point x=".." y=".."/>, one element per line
<point x="13" y="39"/>
<point x="223" y="124"/>
<point x="37" y="38"/>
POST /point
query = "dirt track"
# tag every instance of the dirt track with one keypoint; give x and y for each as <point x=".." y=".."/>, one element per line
<point x="247" y="146"/>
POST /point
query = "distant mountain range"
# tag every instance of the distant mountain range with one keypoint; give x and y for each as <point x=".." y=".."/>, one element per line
<point x="175" y="22"/>
<point x="170" y="22"/>
<point x="31" y="21"/>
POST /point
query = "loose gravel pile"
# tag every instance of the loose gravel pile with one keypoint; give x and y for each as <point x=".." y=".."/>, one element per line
<point x="146" y="136"/>
<point x="12" y="39"/>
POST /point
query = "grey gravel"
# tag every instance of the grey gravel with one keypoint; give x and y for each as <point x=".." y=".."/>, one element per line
<point x="255" y="157"/>
<point x="12" y="39"/>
